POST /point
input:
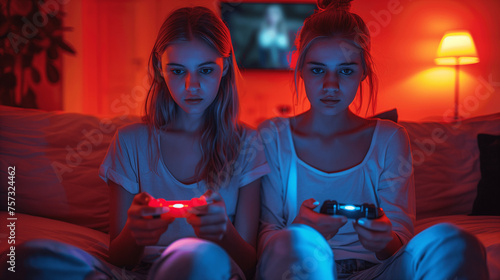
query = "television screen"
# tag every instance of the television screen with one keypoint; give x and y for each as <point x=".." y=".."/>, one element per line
<point x="263" y="34"/>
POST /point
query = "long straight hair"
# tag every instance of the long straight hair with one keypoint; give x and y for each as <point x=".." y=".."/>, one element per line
<point x="333" y="19"/>
<point x="220" y="140"/>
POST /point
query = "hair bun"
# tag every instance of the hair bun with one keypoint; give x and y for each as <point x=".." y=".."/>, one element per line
<point x="334" y="4"/>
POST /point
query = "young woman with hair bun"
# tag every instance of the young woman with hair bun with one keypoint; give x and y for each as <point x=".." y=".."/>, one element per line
<point x="330" y="152"/>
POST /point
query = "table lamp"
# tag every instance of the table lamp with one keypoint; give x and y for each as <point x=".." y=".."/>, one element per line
<point x="456" y="48"/>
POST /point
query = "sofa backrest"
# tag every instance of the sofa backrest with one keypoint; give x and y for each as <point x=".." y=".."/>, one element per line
<point x="446" y="163"/>
<point x="56" y="156"/>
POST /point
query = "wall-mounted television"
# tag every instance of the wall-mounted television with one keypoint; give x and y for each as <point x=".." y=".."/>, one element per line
<point x="263" y="34"/>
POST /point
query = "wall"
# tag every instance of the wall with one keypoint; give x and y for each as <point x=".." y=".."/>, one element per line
<point x="405" y="47"/>
<point x="114" y="39"/>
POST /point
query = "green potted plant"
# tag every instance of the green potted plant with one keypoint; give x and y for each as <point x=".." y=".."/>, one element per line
<point x="29" y="28"/>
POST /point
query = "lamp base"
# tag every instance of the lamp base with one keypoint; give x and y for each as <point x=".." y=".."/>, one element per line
<point x="457" y="83"/>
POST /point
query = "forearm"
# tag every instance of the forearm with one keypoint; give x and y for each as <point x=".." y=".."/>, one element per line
<point x="392" y="247"/>
<point x="124" y="251"/>
<point x="238" y="249"/>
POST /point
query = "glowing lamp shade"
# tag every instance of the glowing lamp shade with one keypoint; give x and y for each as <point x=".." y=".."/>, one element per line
<point x="456" y="48"/>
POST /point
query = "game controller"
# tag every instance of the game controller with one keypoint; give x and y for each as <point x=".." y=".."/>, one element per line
<point x="178" y="208"/>
<point x="351" y="211"/>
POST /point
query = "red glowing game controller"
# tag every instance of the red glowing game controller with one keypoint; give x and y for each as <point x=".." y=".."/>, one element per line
<point x="178" y="208"/>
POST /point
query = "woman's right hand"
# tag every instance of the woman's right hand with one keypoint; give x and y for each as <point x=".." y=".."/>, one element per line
<point x="145" y="229"/>
<point x="326" y="225"/>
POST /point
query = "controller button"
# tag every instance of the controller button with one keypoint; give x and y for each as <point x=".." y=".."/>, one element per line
<point x="178" y="205"/>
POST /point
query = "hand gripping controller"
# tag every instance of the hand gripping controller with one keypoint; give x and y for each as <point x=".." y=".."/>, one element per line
<point x="351" y="211"/>
<point x="178" y="208"/>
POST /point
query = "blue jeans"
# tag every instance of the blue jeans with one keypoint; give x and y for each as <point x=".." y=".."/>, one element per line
<point x="297" y="252"/>
<point x="187" y="258"/>
<point x="442" y="251"/>
<point x="44" y="259"/>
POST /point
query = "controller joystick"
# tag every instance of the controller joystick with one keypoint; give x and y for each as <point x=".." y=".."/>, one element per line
<point x="351" y="211"/>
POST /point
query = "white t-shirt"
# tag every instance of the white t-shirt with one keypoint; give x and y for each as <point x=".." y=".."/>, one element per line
<point x="384" y="176"/>
<point x="127" y="163"/>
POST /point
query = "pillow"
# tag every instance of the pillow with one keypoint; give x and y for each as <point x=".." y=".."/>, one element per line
<point x="391" y="115"/>
<point x="446" y="163"/>
<point x="56" y="156"/>
<point x="488" y="189"/>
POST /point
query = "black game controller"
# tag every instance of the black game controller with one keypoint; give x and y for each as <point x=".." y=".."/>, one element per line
<point x="351" y="211"/>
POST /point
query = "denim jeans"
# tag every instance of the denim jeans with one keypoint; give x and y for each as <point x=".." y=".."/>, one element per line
<point x="187" y="258"/>
<point x="443" y="251"/>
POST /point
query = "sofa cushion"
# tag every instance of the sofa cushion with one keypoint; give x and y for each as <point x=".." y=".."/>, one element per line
<point x="56" y="156"/>
<point x="446" y="163"/>
<point x="488" y="189"/>
<point x="30" y="227"/>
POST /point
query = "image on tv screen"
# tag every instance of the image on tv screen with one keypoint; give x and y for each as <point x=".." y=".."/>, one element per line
<point x="263" y="34"/>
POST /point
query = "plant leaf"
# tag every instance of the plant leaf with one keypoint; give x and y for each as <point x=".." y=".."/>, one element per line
<point x="26" y="61"/>
<point x="51" y="72"/>
<point x="17" y="21"/>
<point x="29" y="99"/>
<point x="7" y="60"/>
<point x="8" y="80"/>
<point x="35" y="75"/>
<point x="4" y="24"/>
<point x="65" y="46"/>
<point x="35" y="47"/>
<point x="52" y="52"/>
<point x="6" y="97"/>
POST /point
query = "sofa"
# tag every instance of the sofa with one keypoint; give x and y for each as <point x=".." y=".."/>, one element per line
<point x="59" y="195"/>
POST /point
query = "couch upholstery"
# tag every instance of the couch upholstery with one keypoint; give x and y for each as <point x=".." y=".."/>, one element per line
<point x="446" y="168"/>
<point x="59" y="194"/>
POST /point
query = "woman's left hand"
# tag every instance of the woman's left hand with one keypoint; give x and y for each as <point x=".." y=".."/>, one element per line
<point x="374" y="234"/>
<point x="209" y="221"/>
